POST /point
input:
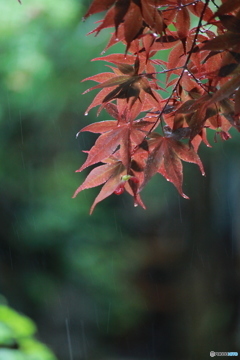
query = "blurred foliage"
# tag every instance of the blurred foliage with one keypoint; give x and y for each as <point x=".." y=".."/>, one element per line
<point x="45" y="53"/>
<point x="17" y="340"/>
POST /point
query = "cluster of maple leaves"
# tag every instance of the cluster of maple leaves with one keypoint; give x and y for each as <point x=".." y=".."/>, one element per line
<point x="150" y="134"/>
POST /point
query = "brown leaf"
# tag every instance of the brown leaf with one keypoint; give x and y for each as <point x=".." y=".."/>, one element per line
<point x="227" y="69"/>
<point x="121" y="9"/>
<point x="183" y="25"/>
<point x="98" y="6"/>
<point x="126" y="69"/>
<point x="116" y="80"/>
<point x="126" y="90"/>
<point x="133" y="23"/>
<point x="197" y="10"/>
<point x="226" y="89"/>
<point x="152" y="17"/>
<point x="230" y="22"/>
<point x="222" y="42"/>
<point x="227" y="7"/>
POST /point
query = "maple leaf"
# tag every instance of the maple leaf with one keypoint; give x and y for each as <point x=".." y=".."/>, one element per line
<point x="183" y="25"/>
<point x="98" y="6"/>
<point x="114" y="176"/>
<point x="197" y="8"/>
<point x="165" y="157"/>
<point x="203" y="93"/>
<point x="110" y="174"/>
<point x="129" y="85"/>
<point x="124" y="132"/>
<point x="133" y="14"/>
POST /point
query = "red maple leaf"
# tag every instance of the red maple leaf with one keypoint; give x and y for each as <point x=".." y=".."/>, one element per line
<point x="135" y="15"/>
<point x="129" y="85"/>
<point x="113" y="175"/>
<point x="165" y="157"/>
<point x="126" y="132"/>
<point x="201" y="77"/>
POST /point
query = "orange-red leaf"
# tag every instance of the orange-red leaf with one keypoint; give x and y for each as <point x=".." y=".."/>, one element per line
<point x="110" y="186"/>
<point x="99" y="127"/>
<point x="104" y="146"/>
<point x="183" y="25"/>
<point x="165" y="157"/>
<point x="97" y="176"/>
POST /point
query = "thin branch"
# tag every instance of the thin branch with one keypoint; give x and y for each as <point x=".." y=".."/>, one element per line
<point x="186" y="62"/>
<point x="181" y="6"/>
<point x="164" y="71"/>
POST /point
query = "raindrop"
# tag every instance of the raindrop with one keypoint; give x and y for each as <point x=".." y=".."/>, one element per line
<point x="109" y="311"/>
<point x="167" y="179"/>
<point x="135" y="204"/>
<point x="69" y="340"/>
<point x="86" y="113"/>
<point x="116" y="39"/>
<point x="21" y="128"/>
<point x="84" y="341"/>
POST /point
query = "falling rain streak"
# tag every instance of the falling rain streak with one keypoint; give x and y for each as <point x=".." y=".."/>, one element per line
<point x="69" y="340"/>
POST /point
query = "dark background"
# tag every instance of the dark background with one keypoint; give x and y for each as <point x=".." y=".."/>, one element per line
<point x="124" y="283"/>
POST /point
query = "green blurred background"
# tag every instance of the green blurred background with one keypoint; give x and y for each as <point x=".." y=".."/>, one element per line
<point x="123" y="283"/>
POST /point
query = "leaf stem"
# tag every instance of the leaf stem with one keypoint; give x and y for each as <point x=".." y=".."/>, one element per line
<point x="184" y="67"/>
